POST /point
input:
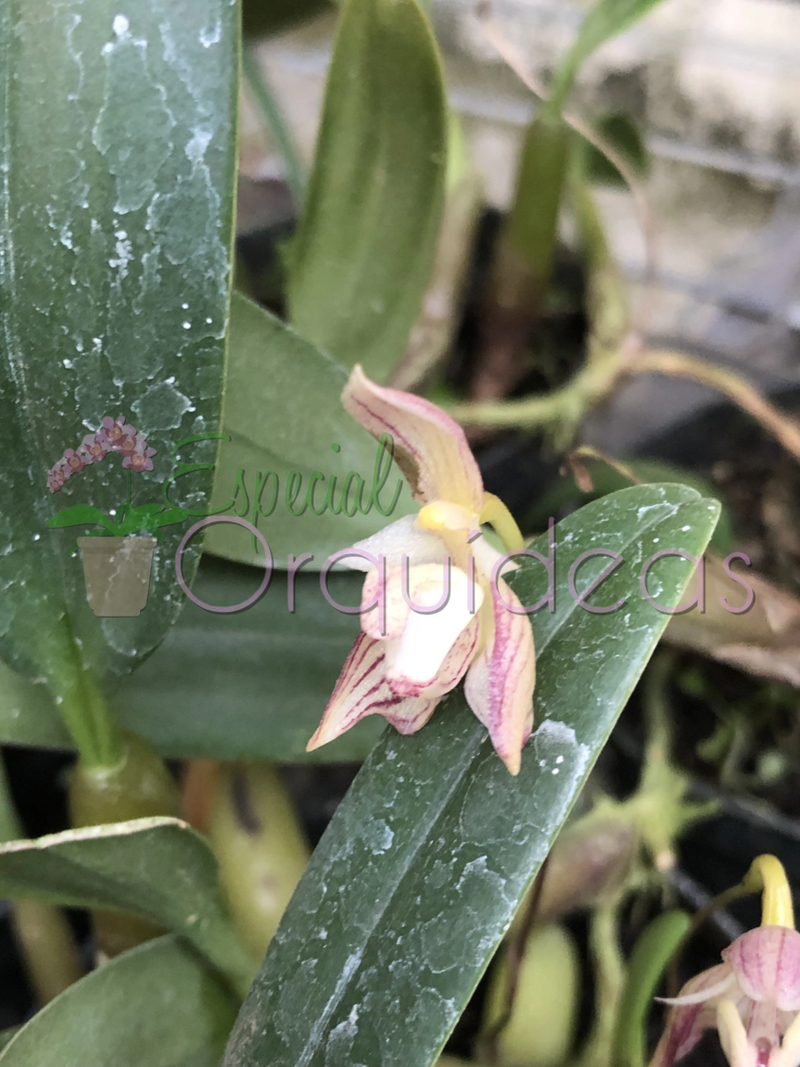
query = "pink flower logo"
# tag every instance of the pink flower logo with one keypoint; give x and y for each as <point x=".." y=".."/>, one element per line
<point x="94" y="448"/>
<point x="116" y="431"/>
<point x="139" y="457"/>
<point x="113" y="435"/>
<point x="72" y="461"/>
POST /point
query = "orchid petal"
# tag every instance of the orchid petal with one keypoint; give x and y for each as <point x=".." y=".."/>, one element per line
<point x="451" y="671"/>
<point x="733" y="1037"/>
<point x="789" y="1053"/>
<point x="401" y="538"/>
<point x="686" y="1023"/>
<point x="416" y="657"/>
<point x="766" y="962"/>
<point x="384" y="611"/>
<point x="724" y="985"/>
<point x="430" y="448"/>
<point x="362" y="690"/>
<point x="499" y="685"/>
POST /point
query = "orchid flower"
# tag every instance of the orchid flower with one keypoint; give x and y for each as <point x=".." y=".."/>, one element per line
<point x="139" y="458"/>
<point x="435" y="608"/>
<point x="94" y="447"/>
<point x="57" y="475"/>
<point x="752" y="998"/>
<point x="74" y="461"/>
<point x="116" y="431"/>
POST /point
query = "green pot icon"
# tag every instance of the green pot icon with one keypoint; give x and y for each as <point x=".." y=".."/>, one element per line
<point x="117" y="572"/>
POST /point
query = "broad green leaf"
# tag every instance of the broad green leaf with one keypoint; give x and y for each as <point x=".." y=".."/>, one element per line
<point x="284" y="414"/>
<point x="605" y="19"/>
<point x="158" y="868"/>
<point x="155" y="1006"/>
<point x="362" y="256"/>
<point x="251" y="685"/>
<point x="118" y="155"/>
<point x="426" y="860"/>
<point x="565" y="495"/>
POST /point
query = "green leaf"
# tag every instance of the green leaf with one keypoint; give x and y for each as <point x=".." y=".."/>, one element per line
<point x="426" y="860"/>
<point x="155" y="1006"/>
<point x="606" y="19"/>
<point x="151" y="518"/>
<point x="6" y="1035"/>
<point x="284" y="414"/>
<point x="565" y="495"/>
<point x="653" y="951"/>
<point x="226" y="686"/>
<point x="622" y="133"/>
<point x="118" y="157"/>
<point x="157" y="868"/>
<point x="363" y="253"/>
<point x="81" y="515"/>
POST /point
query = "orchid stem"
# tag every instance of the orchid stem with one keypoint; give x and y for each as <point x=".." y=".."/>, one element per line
<point x="609" y="970"/>
<point x="675" y="364"/>
<point x="82" y="705"/>
<point x="567" y="406"/>
<point x="41" y="930"/>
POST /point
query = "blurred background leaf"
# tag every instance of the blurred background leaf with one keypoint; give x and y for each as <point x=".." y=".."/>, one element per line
<point x="620" y="132"/>
<point x="363" y="253"/>
<point x="156" y="1006"/>
<point x="284" y="413"/>
<point x="605" y="19"/>
<point x="156" y="868"/>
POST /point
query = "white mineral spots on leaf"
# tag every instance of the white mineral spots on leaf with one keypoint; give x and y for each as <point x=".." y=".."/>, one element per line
<point x="120" y="25"/>
<point x="7" y="609"/>
<point x="196" y="148"/>
<point x="124" y="254"/>
<point x="74" y="22"/>
<point x="340" y="1040"/>
<point x="212" y="35"/>
<point x="377" y="836"/>
<point x="295" y="991"/>
<point x="552" y="737"/>
<point x="146" y="118"/>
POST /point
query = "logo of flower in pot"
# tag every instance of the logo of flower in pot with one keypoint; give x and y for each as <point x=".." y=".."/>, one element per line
<point x="117" y="560"/>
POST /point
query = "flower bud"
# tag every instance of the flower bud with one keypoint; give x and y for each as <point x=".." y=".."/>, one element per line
<point x="589" y="862"/>
<point x="541" y="1028"/>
